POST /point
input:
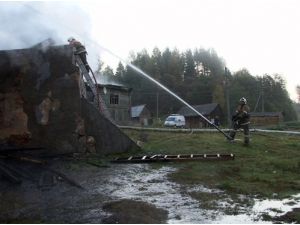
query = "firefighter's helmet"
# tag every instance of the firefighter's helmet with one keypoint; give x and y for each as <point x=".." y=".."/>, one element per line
<point x="243" y="101"/>
<point x="70" y="39"/>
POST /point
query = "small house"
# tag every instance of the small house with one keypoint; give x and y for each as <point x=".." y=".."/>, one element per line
<point x="212" y="112"/>
<point x="265" y="118"/>
<point x="117" y="99"/>
<point x="141" y="115"/>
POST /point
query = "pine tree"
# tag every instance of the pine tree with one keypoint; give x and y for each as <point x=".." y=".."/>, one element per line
<point x="156" y="61"/>
<point x="189" y="66"/>
<point x="298" y="93"/>
<point x="120" y="72"/>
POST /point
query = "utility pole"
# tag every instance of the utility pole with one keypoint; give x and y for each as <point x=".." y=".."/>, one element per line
<point x="257" y="102"/>
<point x="262" y="97"/>
<point x="157" y="95"/>
<point x="227" y="96"/>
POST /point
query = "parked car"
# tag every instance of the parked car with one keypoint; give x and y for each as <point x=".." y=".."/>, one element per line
<point x="175" y="120"/>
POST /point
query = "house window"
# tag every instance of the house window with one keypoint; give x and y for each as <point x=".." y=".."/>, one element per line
<point x="114" y="99"/>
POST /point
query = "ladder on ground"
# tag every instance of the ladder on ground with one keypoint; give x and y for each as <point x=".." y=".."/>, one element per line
<point x="174" y="158"/>
<point x="98" y="101"/>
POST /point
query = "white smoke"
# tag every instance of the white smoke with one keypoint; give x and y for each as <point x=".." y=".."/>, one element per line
<point x="24" y="24"/>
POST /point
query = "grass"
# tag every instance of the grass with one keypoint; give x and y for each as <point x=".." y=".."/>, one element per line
<point x="271" y="164"/>
<point x="134" y="212"/>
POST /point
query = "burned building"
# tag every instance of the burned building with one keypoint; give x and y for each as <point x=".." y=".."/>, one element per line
<point x="41" y="104"/>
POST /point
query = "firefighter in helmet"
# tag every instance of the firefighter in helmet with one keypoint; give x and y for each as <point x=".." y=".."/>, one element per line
<point x="80" y="50"/>
<point x="241" y="119"/>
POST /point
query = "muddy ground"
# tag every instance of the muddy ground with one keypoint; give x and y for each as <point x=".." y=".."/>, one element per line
<point x="77" y="191"/>
<point x="68" y="191"/>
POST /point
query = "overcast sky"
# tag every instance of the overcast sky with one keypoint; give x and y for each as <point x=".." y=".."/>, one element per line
<point x="260" y="35"/>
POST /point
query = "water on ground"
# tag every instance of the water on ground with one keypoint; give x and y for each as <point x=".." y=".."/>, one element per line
<point x="138" y="182"/>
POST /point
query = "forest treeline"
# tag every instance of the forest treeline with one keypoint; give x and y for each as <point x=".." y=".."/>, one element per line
<point x="198" y="76"/>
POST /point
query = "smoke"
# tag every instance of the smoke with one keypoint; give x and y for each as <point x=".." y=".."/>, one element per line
<point x="106" y="80"/>
<point x="24" y="24"/>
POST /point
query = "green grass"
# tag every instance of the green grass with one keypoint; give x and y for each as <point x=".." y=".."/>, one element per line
<point x="271" y="163"/>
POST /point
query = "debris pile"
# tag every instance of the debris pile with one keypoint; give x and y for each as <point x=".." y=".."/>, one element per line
<point x="19" y="164"/>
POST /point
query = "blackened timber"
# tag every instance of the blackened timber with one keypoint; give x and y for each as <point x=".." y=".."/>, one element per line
<point x="22" y="158"/>
<point x="7" y="149"/>
<point x="9" y="175"/>
<point x="69" y="180"/>
<point x="16" y="170"/>
<point x="174" y="158"/>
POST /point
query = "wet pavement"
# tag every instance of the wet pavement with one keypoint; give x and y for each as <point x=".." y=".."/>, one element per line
<point x="63" y="203"/>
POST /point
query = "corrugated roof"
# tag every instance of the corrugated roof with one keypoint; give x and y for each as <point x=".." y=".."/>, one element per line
<point x="205" y="109"/>
<point x="137" y="110"/>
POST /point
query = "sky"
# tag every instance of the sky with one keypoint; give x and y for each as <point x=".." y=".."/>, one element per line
<point x="260" y="35"/>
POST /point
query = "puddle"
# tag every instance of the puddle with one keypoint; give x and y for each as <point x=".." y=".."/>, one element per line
<point x="277" y="207"/>
<point x="139" y="182"/>
<point x="143" y="183"/>
<point x="263" y="207"/>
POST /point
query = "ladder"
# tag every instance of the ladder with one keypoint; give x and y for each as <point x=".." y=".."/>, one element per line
<point x="174" y="158"/>
<point x="98" y="101"/>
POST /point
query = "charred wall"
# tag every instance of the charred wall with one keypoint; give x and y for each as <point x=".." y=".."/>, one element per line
<point x="41" y="106"/>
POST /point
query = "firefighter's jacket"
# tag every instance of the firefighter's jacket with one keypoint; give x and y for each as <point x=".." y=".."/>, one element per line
<point x="242" y="115"/>
<point x="79" y="48"/>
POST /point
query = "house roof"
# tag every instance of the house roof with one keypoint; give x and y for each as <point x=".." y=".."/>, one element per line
<point x="205" y="109"/>
<point x="110" y="87"/>
<point x="137" y="110"/>
<point x="266" y="114"/>
<point x="115" y="87"/>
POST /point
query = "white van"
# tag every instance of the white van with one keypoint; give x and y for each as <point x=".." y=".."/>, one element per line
<point x="175" y="120"/>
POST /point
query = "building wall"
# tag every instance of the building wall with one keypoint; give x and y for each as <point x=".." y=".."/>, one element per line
<point x="110" y="138"/>
<point x="195" y="122"/>
<point x="145" y="118"/>
<point x="198" y="122"/>
<point x="265" y="120"/>
<point x="40" y="105"/>
<point x="120" y="112"/>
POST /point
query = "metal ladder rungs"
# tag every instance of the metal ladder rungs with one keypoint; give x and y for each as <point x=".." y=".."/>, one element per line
<point x="99" y="101"/>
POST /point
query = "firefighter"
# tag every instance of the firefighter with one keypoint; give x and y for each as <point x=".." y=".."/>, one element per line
<point x="241" y="119"/>
<point x="79" y="50"/>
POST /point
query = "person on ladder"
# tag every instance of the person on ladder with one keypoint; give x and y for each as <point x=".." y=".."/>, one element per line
<point x="241" y="119"/>
<point x="79" y="50"/>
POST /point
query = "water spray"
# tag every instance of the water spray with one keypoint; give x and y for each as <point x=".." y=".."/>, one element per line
<point x="166" y="89"/>
<point x="137" y="70"/>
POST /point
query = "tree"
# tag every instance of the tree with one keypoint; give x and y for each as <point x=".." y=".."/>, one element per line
<point x="243" y="84"/>
<point x="108" y="71"/>
<point x="218" y="96"/>
<point x="156" y="59"/>
<point x="189" y="66"/>
<point x="181" y="72"/>
<point x="176" y="67"/>
<point x="298" y="93"/>
<point x="100" y="66"/>
<point x="120" y="72"/>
